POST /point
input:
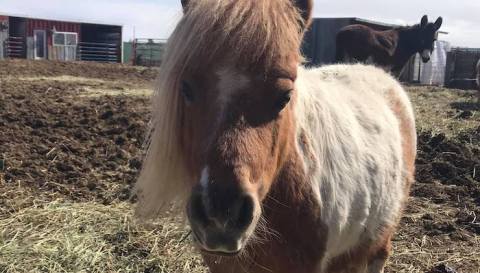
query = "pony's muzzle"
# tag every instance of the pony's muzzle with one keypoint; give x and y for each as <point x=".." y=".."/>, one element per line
<point x="221" y="227"/>
<point x="426" y="55"/>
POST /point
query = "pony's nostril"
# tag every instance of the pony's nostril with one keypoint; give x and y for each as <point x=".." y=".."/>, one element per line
<point x="245" y="212"/>
<point x="197" y="209"/>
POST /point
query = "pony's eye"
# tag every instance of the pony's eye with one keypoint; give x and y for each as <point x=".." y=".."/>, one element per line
<point x="282" y="101"/>
<point x="187" y="91"/>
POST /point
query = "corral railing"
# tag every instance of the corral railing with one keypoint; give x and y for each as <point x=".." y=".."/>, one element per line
<point x="461" y="68"/>
<point x="98" y="52"/>
<point x="15" y="47"/>
<point x="148" y="52"/>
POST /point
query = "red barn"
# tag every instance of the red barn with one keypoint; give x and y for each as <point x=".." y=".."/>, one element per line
<point x="33" y="38"/>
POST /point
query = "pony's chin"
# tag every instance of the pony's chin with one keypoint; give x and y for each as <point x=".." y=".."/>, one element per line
<point x="223" y="252"/>
<point x="220" y="253"/>
<point x="425" y="60"/>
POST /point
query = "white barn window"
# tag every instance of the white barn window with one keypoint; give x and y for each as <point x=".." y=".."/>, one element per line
<point x="65" y="38"/>
<point x="65" y="45"/>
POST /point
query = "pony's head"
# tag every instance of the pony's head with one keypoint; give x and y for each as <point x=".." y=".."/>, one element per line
<point x="223" y="124"/>
<point x="427" y="35"/>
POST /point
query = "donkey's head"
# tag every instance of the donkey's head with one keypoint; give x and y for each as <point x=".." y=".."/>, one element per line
<point x="237" y="126"/>
<point x="427" y="35"/>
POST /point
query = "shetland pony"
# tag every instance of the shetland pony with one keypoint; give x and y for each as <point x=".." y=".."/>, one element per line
<point x="390" y="49"/>
<point x="281" y="168"/>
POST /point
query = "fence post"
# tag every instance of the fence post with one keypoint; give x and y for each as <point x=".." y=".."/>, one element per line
<point x="134" y="52"/>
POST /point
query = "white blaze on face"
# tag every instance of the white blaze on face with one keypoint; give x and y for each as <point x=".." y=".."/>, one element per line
<point x="231" y="81"/>
<point x="426" y="54"/>
<point x="204" y="178"/>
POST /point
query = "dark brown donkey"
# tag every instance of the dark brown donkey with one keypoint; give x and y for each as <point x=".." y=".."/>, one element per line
<point x="390" y="49"/>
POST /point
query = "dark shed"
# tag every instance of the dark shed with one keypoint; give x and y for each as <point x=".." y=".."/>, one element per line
<point x="100" y="43"/>
<point x="461" y="68"/>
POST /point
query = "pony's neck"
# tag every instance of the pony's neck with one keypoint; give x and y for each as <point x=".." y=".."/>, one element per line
<point x="292" y="213"/>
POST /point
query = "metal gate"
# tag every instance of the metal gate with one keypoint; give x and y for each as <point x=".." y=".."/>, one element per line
<point x="15" y="47"/>
<point x="148" y="52"/>
<point x="98" y="52"/>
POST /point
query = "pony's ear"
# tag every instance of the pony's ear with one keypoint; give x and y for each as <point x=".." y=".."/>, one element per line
<point x="184" y="4"/>
<point x="306" y="9"/>
<point x="438" y="23"/>
<point x="424" y="21"/>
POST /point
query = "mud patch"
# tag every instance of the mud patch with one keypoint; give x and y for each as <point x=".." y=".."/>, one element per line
<point x="55" y="140"/>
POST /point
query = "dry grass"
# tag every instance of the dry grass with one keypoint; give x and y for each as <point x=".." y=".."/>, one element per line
<point x="91" y="237"/>
<point x="92" y="87"/>
<point x="62" y="78"/>
<point x="44" y="232"/>
<point x="437" y="109"/>
<point x="414" y="251"/>
<point x="97" y="92"/>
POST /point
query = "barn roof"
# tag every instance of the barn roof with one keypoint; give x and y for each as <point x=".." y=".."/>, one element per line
<point x="94" y="22"/>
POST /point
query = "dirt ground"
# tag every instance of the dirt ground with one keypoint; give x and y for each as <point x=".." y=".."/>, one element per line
<point x="70" y="150"/>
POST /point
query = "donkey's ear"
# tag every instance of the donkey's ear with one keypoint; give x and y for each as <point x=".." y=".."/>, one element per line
<point x="424" y="21"/>
<point x="184" y="4"/>
<point x="438" y="23"/>
<point x="306" y="9"/>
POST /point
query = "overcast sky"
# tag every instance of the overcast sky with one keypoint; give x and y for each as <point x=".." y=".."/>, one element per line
<point x="157" y="18"/>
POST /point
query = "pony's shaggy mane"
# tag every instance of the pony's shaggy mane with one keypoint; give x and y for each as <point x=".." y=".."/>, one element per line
<point x="256" y="32"/>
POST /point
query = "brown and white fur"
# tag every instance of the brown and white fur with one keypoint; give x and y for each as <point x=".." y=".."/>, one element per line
<point x="282" y="168"/>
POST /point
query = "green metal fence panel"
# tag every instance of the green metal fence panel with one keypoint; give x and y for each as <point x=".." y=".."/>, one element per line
<point x="127" y="52"/>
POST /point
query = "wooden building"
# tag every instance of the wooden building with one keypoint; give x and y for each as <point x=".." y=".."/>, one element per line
<point x="34" y="38"/>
